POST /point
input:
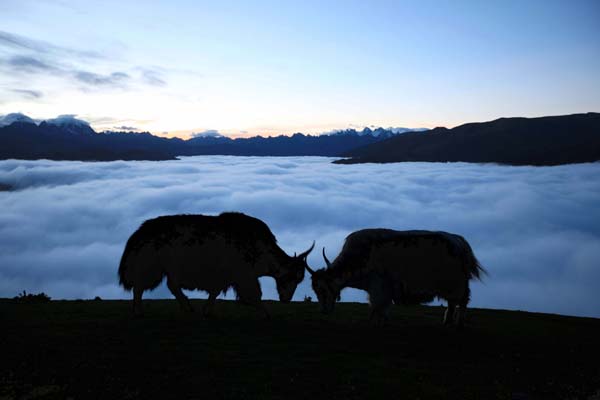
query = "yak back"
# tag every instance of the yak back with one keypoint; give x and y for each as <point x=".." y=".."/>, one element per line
<point x="241" y="230"/>
<point x="353" y="259"/>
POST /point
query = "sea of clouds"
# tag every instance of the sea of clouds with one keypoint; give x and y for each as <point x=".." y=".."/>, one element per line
<point x="536" y="230"/>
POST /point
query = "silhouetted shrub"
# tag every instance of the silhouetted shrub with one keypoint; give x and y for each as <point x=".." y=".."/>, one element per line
<point x="25" y="297"/>
<point x="307" y="299"/>
<point x="97" y="298"/>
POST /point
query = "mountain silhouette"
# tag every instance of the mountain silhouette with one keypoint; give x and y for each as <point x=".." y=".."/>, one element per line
<point x="516" y="141"/>
<point x="66" y="138"/>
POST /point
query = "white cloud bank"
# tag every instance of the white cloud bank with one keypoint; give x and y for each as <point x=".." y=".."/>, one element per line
<point x="535" y="229"/>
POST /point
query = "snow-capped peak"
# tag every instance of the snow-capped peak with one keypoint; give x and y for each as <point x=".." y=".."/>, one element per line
<point x="8" y="119"/>
<point x="210" y="133"/>
<point x="404" y="130"/>
<point x="68" y="120"/>
<point x="71" y="124"/>
<point x="375" y="132"/>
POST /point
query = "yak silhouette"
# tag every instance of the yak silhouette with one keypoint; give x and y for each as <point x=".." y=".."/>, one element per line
<point x="209" y="253"/>
<point x="404" y="267"/>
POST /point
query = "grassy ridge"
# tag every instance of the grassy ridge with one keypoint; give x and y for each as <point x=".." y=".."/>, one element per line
<point x="94" y="349"/>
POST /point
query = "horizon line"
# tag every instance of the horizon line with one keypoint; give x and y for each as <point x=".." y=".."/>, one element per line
<point x="186" y="134"/>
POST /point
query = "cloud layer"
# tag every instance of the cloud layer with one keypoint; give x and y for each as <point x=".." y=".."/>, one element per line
<point x="64" y="224"/>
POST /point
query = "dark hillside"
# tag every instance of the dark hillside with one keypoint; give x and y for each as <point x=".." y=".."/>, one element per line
<point x="30" y="141"/>
<point x="516" y="141"/>
<point x="94" y="349"/>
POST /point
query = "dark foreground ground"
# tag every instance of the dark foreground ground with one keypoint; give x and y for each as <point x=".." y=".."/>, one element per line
<point x="94" y="349"/>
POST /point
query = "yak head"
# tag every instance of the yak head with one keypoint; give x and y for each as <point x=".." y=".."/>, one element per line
<point x="324" y="285"/>
<point x="292" y="275"/>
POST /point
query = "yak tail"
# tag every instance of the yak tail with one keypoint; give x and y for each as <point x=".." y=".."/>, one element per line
<point x="476" y="270"/>
<point x="123" y="268"/>
<point x="473" y="267"/>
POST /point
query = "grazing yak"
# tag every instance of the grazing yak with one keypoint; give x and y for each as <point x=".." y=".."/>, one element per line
<point x="406" y="267"/>
<point x="210" y="253"/>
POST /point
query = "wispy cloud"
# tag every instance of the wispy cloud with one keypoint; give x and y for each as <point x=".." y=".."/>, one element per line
<point x="106" y="122"/>
<point x="102" y="120"/>
<point x="117" y="79"/>
<point x="30" y="64"/>
<point x="25" y="56"/>
<point x="153" y="77"/>
<point x="21" y="43"/>
<point x="126" y="128"/>
<point x="29" y="94"/>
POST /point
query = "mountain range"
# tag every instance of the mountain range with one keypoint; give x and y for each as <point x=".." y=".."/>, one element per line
<point x="68" y="138"/>
<point x="550" y="140"/>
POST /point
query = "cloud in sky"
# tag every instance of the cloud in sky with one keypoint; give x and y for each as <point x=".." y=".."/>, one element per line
<point x="64" y="224"/>
<point x="110" y="122"/>
<point x="93" y="79"/>
<point x="23" y="43"/>
<point x="126" y="128"/>
<point x="26" y="56"/>
<point x="28" y="94"/>
<point x="30" y="64"/>
<point x="154" y="77"/>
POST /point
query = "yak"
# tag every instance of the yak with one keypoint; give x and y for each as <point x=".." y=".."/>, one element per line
<point x="209" y="253"/>
<point x="403" y="267"/>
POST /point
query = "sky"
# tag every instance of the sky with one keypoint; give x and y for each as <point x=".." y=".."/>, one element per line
<point x="277" y="67"/>
<point x="64" y="226"/>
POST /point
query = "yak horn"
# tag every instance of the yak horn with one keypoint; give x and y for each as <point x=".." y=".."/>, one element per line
<point x="306" y="253"/>
<point x="309" y="270"/>
<point x="326" y="260"/>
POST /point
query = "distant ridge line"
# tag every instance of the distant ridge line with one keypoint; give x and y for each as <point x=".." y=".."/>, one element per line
<point x="551" y="140"/>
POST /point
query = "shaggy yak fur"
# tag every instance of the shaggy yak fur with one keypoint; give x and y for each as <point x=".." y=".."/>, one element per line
<point x="209" y="253"/>
<point x="403" y="267"/>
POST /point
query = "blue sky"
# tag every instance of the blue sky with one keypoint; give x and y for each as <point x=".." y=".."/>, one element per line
<point x="267" y="67"/>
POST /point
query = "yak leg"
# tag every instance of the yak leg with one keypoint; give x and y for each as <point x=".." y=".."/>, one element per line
<point x="449" y="314"/>
<point x="462" y="309"/>
<point x="459" y="320"/>
<point x="249" y="293"/>
<point x="380" y="297"/>
<point x="379" y="316"/>
<point x="184" y="302"/>
<point x="137" y="301"/>
<point x="210" y="303"/>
